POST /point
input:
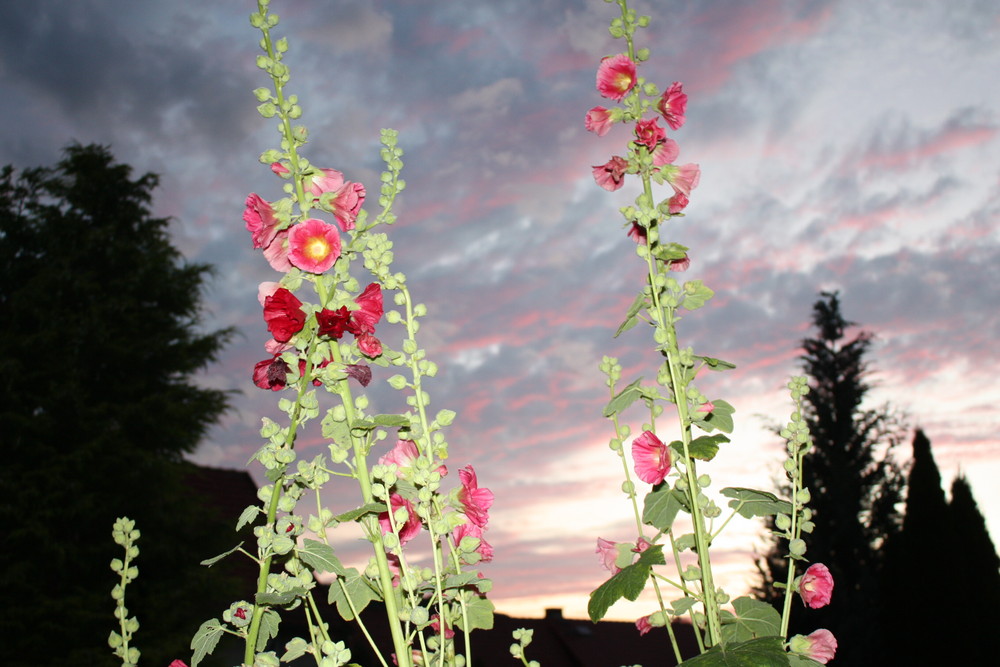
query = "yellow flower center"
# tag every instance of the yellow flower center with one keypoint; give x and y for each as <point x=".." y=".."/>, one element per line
<point x="316" y="248"/>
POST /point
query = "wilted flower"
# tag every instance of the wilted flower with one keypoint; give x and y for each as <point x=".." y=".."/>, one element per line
<point x="271" y="373"/>
<point x="616" y="77"/>
<point x="611" y="175"/>
<point x="643" y="626"/>
<point x="682" y="179"/>
<point x="649" y="133"/>
<point x="651" y="457"/>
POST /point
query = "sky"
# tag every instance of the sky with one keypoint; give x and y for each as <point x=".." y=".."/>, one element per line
<point x="844" y="145"/>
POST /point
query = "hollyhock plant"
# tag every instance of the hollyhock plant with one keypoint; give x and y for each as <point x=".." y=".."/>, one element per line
<point x="616" y="77"/>
<point x="611" y="175"/>
<point x="819" y="645"/>
<point x="283" y="315"/>
<point x="673" y="104"/>
<point x="598" y="121"/>
<point x="816" y="586"/>
<point x="476" y="501"/>
<point x="313" y="245"/>
<point x="651" y="457"/>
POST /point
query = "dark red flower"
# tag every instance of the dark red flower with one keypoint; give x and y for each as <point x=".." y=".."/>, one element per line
<point x="364" y="319"/>
<point x="360" y="372"/>
<point x="332" y="323"/>
<point x="283" y="314"/>
<point x="271" y="373"/>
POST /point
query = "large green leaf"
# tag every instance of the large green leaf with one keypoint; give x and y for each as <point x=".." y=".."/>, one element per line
<point x="750" y="502"/>
<point x="719" y="419"/>
<point x="269" y="623"/>
<point x="660" y="508"/>
<point x="633" y="310"/>
<point x="753" y="619"/>
<point x="205" y="640"/>
<point x="628" y="583"/>
<point x="370" y="508"/>
<point x="358" y="589"/>
<point x="765" y="652"/>
<point x="623" y="399"/>
<point x="705" y="447"/>
<point x="480" y="614"/>
<point x="320" y="557"/>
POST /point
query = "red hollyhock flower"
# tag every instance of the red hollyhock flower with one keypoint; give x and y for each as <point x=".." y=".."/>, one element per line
<point x="673" y="104"/>
<point x="649" y="133"/>
<point x="271" y="374"/>
<point x="369" y="345"/>
<point x="611" y="175"/>
<point x="616" y="77"/>
<point x="476" y="501"/>
<point x="364" y="319"/>
<point x="283" y="315"/>
<point x="332" y="323"/>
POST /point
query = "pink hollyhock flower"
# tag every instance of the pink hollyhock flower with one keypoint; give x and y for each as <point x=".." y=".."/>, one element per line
<point x="333" y="323"/>
<point x="819" y="645"/>
<point x="642" y="544"/>
<point x="260" y="221"/>
<point x="673" y="104"/>
<point x="327" y="180"/>
<point x="598" y="121"/>
<point x="271" y="374"/>
<point x="360" y="372"/>
<point x="706" y="407"/>
<point x="651" y="458"/>
<point x="412" y="525"/>
<point x="313" y="245"/>
<point x="279" y="169"/>
<point x="276" y="253"/>
<point x="266" y="289"/>
<point x="611" y="175"/>
<point x="274" y="347"/>
<point x="649" y="133"/>
<point x="683" y="264"/>
<point x="404" y="455"/>
<point x="178" y="663"/>
<point x="369" y="345"/>
<point x="678" y="202"/>
<point x="485" y="549"/>
<point x="616" y="77"/>
<point x="607" y="551"/>
<point x="643" y="626"/>
<point x="347" y="199"/>
<point x="665" y="152"/>
<point x="682" y="179"/>
<point x="436" y="626"/>
<point x="476" y="501"/>
<point x="283" y="315"/>
<point x="637" y="233"/>
<point x="364" y="319"/>
<point x="816" y="586"/>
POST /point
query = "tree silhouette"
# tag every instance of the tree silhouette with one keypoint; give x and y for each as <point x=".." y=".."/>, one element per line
<point x="98" y="344"/>
<point x="855" y="487"/>
<point x="943" y="554"/>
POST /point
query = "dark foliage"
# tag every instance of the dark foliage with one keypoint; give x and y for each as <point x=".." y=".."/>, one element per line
<point x="855" y="487"/>
<point x="99" y="340"/>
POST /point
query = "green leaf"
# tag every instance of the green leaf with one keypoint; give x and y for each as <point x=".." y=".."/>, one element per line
<point x="370" y="508"/>
<point x="294" y="649"/>
<point x="205" y="640"/>
<point x="750" y="502"/>
<point x="753" y="619"/>
<point x="623" y="399"/>
<point x="705" y="447"/>
<point x="660" y="508"/>
<point x="800" y="661"/>
<point x="696" y="294"/>
<point x="765" y="652"/>
<point x="320" y="557"/>
<point x="381" y="420"/>
<point x="627" y="583"/>
<point x="633" y="310"/>
<point x="279" y="599"/>
<point x="248" y="515"/>
<point x="268" y="628"/>
<point x="480" y="615"/>
<point x="716" y="364"/>
<point x="358" y="589"/>
<point x="209" y="562"/>
<point x="682" y="605"/>
<point x="461" y="580"/>
<point x="720" y="418"/>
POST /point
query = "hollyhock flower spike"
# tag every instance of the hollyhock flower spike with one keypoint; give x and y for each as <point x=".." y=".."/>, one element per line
<point x="673" y="104"/>
<point x="651" y="457"/>
<point x="816" y="586"/>
<point x="313" y="245"/>
<point x="598" y="121"/>
<point x="611" y="175"/>
<point x="476" y="501"/>
<point x="616" y="77"/>
<point x="819" y="645"/>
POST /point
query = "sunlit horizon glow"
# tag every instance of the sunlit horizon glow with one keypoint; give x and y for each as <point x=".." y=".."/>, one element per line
<point x="844" y="145"/>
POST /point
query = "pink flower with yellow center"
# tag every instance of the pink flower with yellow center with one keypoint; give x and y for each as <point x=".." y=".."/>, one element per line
<point x="616" y="77"/>
<point x="651" y="458"/>
<point x="313" y="245"/>
<point x="598" y="121"/>
<point x="673" y="104"/>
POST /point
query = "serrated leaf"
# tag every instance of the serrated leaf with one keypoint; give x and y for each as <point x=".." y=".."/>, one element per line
<point x="205" y="640"/>
<point x="705" y="447"/>
<point x="660" y="508"/>
<point x="696" y="294"/>
<point x="358" y="590"/>
<point x="750" y="502"/>
<point x="623" y="399"/>
<point x="248" y="515"/>
<point x="320" y="557"/>
<point x="719" y="419"/>
<point x="753" y="619"/>
<point x="279" y="599"/>
<point x="370" y="508"/>
<point x="480" y="614"/>
<point x="628" y="583"/>
<point x="269" y="623"/>
<point x="630" y="315"/>
<point x="765" y="652"/>
<point x="209" y="562"/>
<point x="460" y="580"/>
<point x="294" y="649"/>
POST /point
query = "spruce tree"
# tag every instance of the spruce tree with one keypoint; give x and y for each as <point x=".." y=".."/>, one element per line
<point x="854" y="483"/>
<point x="99" y="341"/>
